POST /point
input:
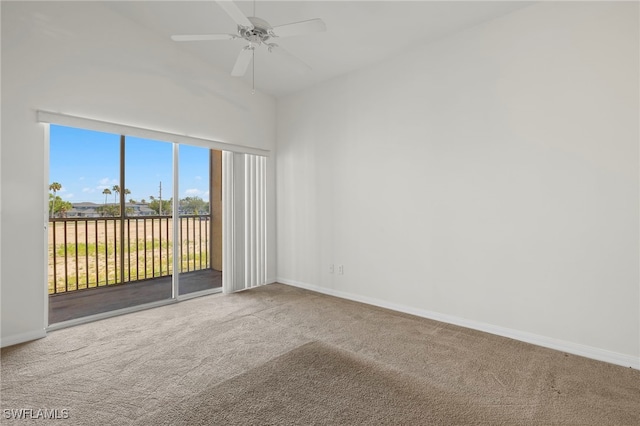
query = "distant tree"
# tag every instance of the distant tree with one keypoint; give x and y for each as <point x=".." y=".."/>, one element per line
<point x="63" y="208"/>
<point x="58" y="207"/>
<point x="106" y="192"/>
<point x="52" y="204"/>
<point x="132" y="201"/>
<point x="116" y="192"/>
<point x="109" y="210"/>
<point x="166" y="206"/>
<point x="143" y="201"/>
<point x="54" y="187"/>
<point x="193" y="205"/>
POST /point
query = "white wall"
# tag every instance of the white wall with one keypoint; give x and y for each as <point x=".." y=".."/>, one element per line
<point x="80" y="58"/>
<point x="490" y="179"/>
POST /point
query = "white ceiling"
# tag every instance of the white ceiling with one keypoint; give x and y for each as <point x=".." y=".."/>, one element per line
<point x="359" y="33"/>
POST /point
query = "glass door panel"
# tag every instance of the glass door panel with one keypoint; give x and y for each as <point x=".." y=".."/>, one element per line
<point x="200" y="220"/>
<point x="94" y="266"/>
<point x="148" y="218"/>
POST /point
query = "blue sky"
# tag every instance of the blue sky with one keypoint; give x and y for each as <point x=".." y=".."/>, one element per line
<point x="86" y="162"/>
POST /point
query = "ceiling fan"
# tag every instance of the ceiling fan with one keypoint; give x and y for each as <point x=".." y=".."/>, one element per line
<point x="256" y="32"/>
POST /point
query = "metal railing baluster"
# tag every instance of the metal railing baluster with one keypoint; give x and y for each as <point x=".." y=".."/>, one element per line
<point x="75" y="238"/>
<point x="193" y="249"/>
<point x="55" y="248"/>
<point x="66" y="278"/>
<point x="86" y="252"/>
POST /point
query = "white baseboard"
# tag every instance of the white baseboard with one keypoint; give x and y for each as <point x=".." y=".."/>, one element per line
<point x="22" y="338"/>
<point x="523" y="336"/>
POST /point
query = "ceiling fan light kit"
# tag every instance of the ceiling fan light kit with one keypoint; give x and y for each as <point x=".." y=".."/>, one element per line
<point x="257" y="32"/>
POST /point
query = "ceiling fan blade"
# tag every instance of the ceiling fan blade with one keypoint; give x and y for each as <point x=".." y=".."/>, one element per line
<point x="243" y="61"/>
<point x="235" y="13"/>
<point x="203" y="37"/>
<point x="300" y="28"/>
<point x="289" y="60"/>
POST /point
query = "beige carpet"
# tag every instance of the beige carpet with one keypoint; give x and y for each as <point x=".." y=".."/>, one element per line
<point x="318" y="384"/>
<point x="281" y="355"/>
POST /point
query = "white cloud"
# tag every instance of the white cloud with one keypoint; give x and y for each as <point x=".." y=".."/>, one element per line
<point x="194" y="192"/>
<point x="106" y="183"/>
<point x="198" y="178"/>
<point x="88" y="190"/>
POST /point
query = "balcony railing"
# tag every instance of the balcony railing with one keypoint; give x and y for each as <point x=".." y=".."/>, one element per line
<point x="97" y="252"/>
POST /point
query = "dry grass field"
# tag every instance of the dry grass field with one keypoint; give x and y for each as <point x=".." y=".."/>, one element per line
<point x="90" y="255"/>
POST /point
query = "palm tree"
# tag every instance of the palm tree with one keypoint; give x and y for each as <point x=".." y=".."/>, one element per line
<point x="64" y="208"/>
<point x="54" y="187"/>
<point x="106" y="192"/>
<point x="116" y="190"/>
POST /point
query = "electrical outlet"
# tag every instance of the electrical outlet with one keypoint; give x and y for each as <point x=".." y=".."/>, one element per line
<point x="331" y="268"/>
<point x="340" y="270"/>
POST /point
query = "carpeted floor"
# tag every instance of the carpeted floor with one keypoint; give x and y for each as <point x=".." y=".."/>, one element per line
<point x="282" y="355"/>
<point x="317" y="383"/>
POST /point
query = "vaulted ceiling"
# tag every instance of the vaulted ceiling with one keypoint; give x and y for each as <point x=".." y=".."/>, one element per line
<point x="359" y="33"/>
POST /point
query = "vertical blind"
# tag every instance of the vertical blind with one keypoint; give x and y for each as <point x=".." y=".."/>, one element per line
<point x="244" y="221"/>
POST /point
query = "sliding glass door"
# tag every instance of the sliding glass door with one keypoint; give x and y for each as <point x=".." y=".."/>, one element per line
<point x="134" y="221"/>
<point x="119" y="228"/>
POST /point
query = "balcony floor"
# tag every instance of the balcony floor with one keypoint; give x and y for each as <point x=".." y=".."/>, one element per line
<point x="82" y="303"/>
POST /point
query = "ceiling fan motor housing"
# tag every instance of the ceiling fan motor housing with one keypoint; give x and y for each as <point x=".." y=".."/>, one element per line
<point x="260" y="33"/>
